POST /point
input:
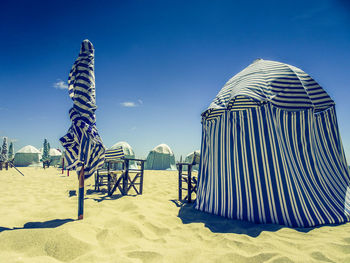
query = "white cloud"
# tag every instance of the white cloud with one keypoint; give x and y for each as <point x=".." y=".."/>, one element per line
<point x="131" y="104"/>
<point x="128" y="104"/>
<point x="60" y="84"/>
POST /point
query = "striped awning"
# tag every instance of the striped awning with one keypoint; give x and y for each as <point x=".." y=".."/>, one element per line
<point x="113" y="154"/>
<point x="82" y="142"/>
<point x="284" y="86"/>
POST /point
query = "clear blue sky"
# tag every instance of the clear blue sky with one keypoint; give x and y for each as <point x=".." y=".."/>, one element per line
<point x="167" y="59"/>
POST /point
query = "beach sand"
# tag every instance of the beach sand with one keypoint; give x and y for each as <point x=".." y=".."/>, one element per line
<point x="38" y="224"/>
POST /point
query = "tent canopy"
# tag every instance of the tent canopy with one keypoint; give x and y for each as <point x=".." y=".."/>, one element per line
<point x="283" y="85"/>
<point x="128" y="151"/>
<point x="28" y="149"/>
<point x="55" y="152"/>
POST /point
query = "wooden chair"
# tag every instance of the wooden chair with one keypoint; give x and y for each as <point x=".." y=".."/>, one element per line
<point x="46" y="163"/>
<point x="123" y="179"/>
<point x="5" y="164"/>
<point x="188" y="180"/>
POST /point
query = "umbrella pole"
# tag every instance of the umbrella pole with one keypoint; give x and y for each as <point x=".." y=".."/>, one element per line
<point x="62" y="165"/>
<point x="16" y="168"/>
<point x="81" y="195"/>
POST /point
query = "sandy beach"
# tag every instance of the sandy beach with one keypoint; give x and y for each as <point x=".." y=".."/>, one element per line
<point x="38" y="224"/>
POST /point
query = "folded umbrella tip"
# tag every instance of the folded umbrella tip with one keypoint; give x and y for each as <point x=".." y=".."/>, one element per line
<point x="86" y="46"/>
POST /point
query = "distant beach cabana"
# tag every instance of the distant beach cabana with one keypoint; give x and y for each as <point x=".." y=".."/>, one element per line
<point x="55" y="156"/>
<point x="28" y="155"/>
<point x="161" y="158"/>
<point x="271" y="150"/>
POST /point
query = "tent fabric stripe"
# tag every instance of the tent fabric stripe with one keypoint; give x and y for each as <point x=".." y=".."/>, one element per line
<point x="82" y="142"/>
<point x="285" y="86"/>
<point x="270" y="165"/>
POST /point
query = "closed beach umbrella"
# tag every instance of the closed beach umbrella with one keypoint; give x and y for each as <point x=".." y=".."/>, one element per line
<point x="84" y="148"/>
<point x="10" y="154"/>
<point x="46" y="151"/>
<point x="4" y="150"/>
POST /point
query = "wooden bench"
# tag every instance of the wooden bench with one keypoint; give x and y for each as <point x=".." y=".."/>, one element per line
<point x="187" y="179"/>
<point x="123" y="179"/>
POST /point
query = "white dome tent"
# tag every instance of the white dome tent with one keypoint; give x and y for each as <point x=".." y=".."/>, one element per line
<point x="189" y="159"/>
<point x="28" y="155"/>
<point x="161" y="158"/>
<point x="128" y="153"/>
<point x="55" y="156"/>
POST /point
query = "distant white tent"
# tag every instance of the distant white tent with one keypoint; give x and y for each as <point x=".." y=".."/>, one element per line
<point x="55" y="156"/>
<point x="190" y="158"/>
<point x="128" y="153"/>
<point x="27" y="155"/>
<point x="161" y="158"/>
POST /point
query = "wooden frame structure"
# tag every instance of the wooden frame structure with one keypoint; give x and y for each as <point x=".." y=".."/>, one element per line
<point x="127" y="178"/>
<point x="187" y="182"/>
<point x="5" y="164"/>
<point x="46" y="163"/>
<point x="189" y="179"/>
<point x="123" y="179"/>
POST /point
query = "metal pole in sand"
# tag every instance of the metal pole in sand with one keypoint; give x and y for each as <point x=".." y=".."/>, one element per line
<point x="62" y="165"/>
<point x="81" y="195"/>
<point x="16" y="168"/>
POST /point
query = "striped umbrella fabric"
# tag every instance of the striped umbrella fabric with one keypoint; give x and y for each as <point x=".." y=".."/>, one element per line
<point x="82" y="143"/>
<point x="273" y="158"/>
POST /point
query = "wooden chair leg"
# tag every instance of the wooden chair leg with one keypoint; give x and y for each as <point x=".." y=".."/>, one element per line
<point x="180" y="182"/>
<point x="141" y="179"/>
<point x="189" y="183"/>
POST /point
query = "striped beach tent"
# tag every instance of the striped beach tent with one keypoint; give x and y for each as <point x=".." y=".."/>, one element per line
<point x="82" y="143"/>
<point x="271" y="151"/>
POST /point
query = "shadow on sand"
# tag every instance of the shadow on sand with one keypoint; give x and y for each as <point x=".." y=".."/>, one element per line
<point x="217" y="224"/>
<point x="101" y="195"/>
<point x="47" y="224"/>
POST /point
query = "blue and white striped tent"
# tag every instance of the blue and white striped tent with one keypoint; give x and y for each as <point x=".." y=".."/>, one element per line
<point x="82" y="143"/>
<point x="271" y="151"/>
